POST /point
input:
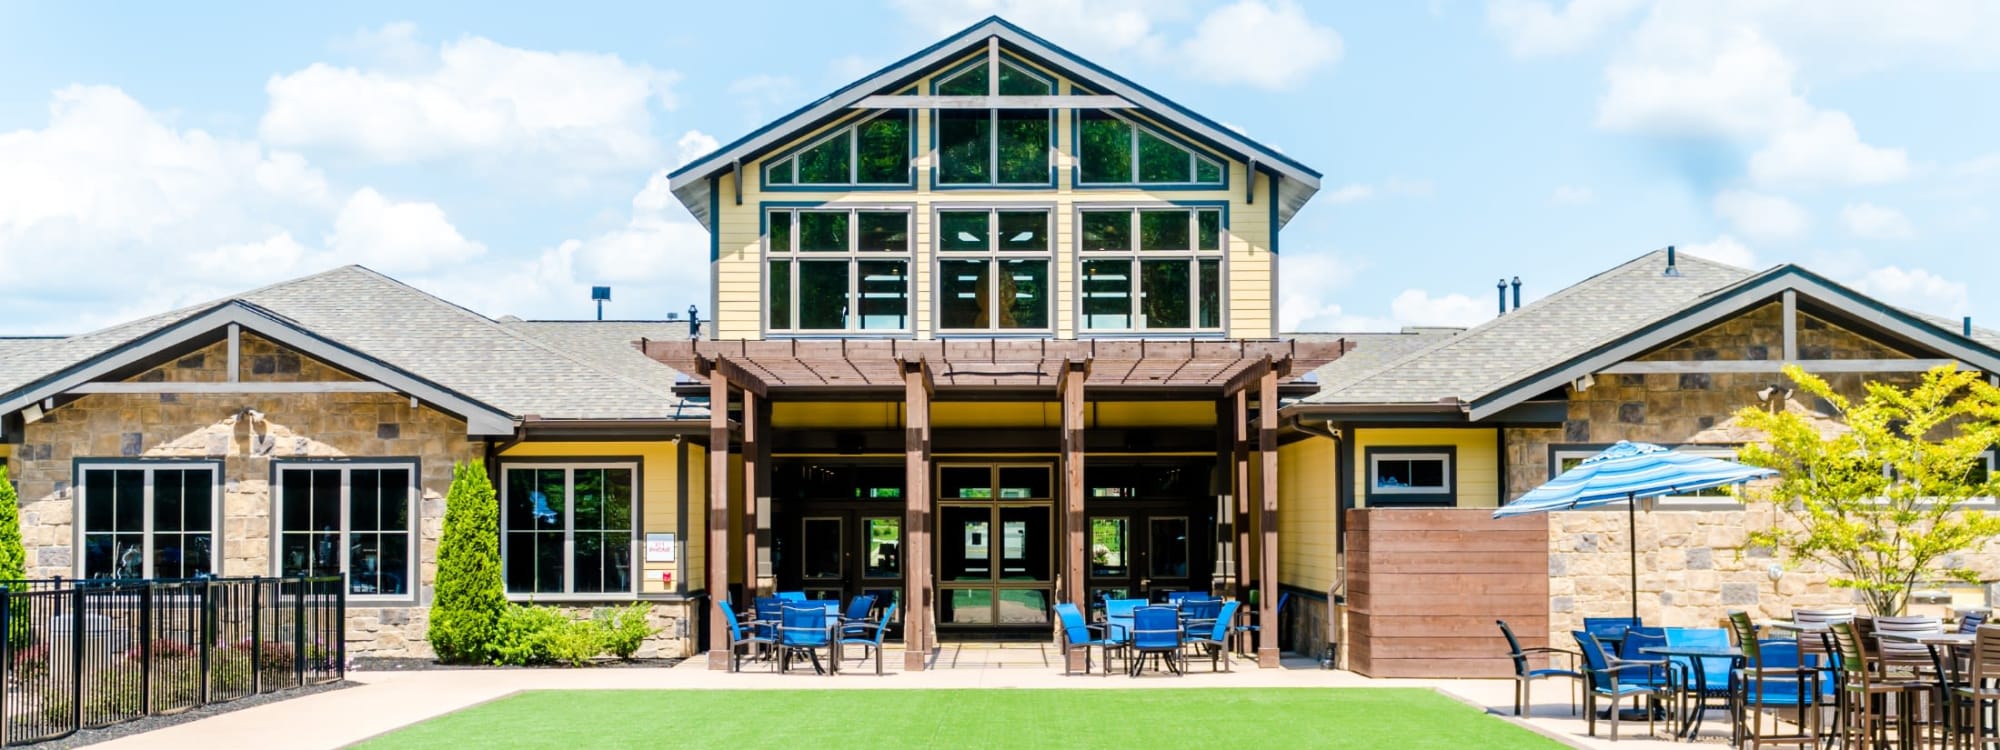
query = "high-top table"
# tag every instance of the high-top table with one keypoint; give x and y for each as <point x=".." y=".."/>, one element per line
<point x="1691" y="720"/>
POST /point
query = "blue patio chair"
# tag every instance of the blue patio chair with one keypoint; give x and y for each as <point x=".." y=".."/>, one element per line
<point x="803" y="629"/>
<point x="1244" y="631"/>
<point x="868" y="635"/>
<point x="1080" y="635"/>
<point x="855" y="620"/>
<point x="791" y="596"/>
<point x="1605" y="676"/>
<point x="1771" y="676"/>
<point x="1525" y="674"/>
<point x="739" y="636"/>
<point x="1610" y="629"/>
<point x="770" y="610"/>
<point x="1213" y="637"/>
<point x="1118" y="616"/>
<point x="1703" y="680"/>
<point x="1156" y="631"/>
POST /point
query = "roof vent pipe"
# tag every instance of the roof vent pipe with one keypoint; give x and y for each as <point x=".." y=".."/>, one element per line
<point x="1500" y="288"/>
<point x="1672" y="269"/>
<point x="1517" y="292"/>
<point x="1968" y="326"/>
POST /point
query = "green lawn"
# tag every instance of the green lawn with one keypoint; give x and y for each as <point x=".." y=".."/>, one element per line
<point x="1263" y="719"/>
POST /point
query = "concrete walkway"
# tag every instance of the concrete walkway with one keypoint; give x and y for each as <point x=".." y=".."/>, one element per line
<point x="385" y="701"/>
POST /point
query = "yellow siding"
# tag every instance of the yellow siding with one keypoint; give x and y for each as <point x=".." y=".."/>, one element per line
<point x="696" y="568"/>
<point x="1151" y="414"/>
<point x="1308" y="532"/>
<point x="851" y="415"/>
<point x="1476" y="473"/>
<point x="659" y="490"/>
<point x="738" y="269"/>
<point x="946" y="414"/>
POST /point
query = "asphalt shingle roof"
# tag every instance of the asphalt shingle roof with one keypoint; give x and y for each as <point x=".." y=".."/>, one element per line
<point x="1551" y="330"/>
<point x="504" y="365"/>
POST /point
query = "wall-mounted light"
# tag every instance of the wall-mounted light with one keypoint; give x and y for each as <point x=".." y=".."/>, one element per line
<point x="1775" y="571"/>
<point x="1583" y="383"/>
<point x="32" y="414"/>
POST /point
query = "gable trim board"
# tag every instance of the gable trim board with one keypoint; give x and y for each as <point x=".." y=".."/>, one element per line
<point x="691" y="181"/>
<point x="1721" y="304"/>
<point x="480" y="419"/>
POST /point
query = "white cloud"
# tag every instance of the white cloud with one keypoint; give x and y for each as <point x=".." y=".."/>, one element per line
<point x="1688" y="83"/>
<point x="278" y="252"/>
<point x="1093" y="28"/>
<point x="1418" y="308"/>
<point x="1762" y="215"/>
<point x="474" y="97"/>
<point x="1534" y="28"/>
<point x="397" y="237"/>
<point x="1308" y="283"/>
<point x="1915" y="288"/>
<point x="693" y="145"/>
<point x="1350" y="193"/>
<point x="1270" y="46"/>
<point x="1826" y="150"/>
<point x="1572" y="195"/>
<point x="1876" y="222"/>
<point x="1723" y="249"/>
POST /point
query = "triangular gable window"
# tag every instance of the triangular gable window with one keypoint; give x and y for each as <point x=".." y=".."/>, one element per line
<point x="993" y="146"/>
<point x="1114" y="151"/>
<point x="875" y="151"/>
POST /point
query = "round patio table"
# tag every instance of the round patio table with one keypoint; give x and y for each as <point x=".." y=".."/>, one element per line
<point x="1691" y="721"/>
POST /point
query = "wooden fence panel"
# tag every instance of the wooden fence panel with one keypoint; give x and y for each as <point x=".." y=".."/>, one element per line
<point x="1425" y="585"/>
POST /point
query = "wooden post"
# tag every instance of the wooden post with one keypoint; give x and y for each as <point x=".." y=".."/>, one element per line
<point x="718" y="517"/>
<point x="1074" y="553"/>
<point x="766" y="578"/>
<point x="1267" y="447"/>
<point x="917" y="516"/>
<point x="1225" y="489"/>
<point x="752" y="436"/>
<point x="1240" y="479"/>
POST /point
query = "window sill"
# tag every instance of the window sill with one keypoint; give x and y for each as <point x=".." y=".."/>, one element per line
<point x="623" y="596"/>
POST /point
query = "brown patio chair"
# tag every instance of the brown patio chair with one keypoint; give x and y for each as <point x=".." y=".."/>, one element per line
<point x="1973" y="706"/>
<point x="1867" y="696"/>
<point x="1525" y="673"/>
<point x="1772" y="681"/>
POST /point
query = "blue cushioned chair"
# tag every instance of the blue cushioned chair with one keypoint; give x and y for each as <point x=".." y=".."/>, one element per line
<point x="770" y="610"/>
<point x="1212" y="635"/>
<point x="867" y="635"/>
<point x="1279" y="613"/>
<point x="1080" y="635"/>
<point x="803" y="629"/>
<point x="1703" y="680"/>
<point x="1525" y="674"/>
<point x="1118" y="616"/>
<point x="1772" y="676"/>
<point x="855" y="619"/>
<point x="1156" y="631"/>
<point x="1632" y="649"/>
<point x="791" y="596"/>
<point x="1610" y="629"/>
<point x="739" y="636"/>
<point x="1606" y="676"/>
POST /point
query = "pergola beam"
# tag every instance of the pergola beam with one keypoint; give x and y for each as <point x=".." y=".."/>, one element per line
<point x="1255" y="372"/>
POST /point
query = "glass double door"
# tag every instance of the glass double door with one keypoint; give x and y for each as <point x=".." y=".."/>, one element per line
<point x="995" y="547"/>
<point x="1148" y="550"/>
<point x="846" y="552"/>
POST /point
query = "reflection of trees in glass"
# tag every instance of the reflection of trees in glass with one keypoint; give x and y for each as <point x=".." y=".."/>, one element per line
<point x="964" y="144"/>
<point x="1004" y="290"/>
<point x="1024" y="145"/>
<point x="1163" y="293"/>
<point x="823" y="295"/>
<point x="882" y="149"/>
<point x="1164" y="230"/>
<point x="838" y="270"/>
<point x="1104" y="147"/>
<point x="1107" y="146"/>
<point x="874" y="151"/>
<point x="978" y="146"/>
<point x="1177" y="283"/>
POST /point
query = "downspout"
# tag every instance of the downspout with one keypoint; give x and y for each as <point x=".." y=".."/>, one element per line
<point x="1336" y="605"/>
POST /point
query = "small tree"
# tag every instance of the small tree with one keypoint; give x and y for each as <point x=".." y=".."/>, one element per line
<point x="13" y="555"/>
<point x="470" y="601"/>
<point x="1882" y="501"/>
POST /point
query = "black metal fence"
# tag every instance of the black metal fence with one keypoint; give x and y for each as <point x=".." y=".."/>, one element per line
<point x="90" y="653"/>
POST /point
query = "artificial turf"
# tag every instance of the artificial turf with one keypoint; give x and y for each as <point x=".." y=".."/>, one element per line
<point x="1263" y="719"/>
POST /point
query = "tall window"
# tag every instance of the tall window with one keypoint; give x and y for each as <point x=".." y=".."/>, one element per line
<point x="352" y="518"/>
<point x="1152" y="269"/>
<point x="1114" y="151"/>
<point x="994" y="146"/>
<point x="993" y="270"/>
<point x="148" y="520"/>
<point x="568" y="529"/>
<point x="838" y="270"/>
<point x="875" y="151"/>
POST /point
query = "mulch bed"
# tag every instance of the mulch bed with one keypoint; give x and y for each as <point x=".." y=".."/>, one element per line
<point x="406" y="664"/>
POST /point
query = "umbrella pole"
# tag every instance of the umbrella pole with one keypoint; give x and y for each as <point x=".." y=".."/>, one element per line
<point x="1632" y="527"/>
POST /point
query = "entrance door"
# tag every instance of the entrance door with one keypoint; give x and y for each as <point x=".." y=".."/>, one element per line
<point x="837" y="531"/>
<point x="1143" y="541"/>
<point x="995" y="547"/>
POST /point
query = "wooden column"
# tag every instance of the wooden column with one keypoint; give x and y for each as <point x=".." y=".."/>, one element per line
<point x="1240" y="487"/>
<point x="766" y="578"/>
<point x="1074" y="553"/>
<point x="1225" y="490"/>
<point x="752" y="437"/>
<point x="1267" y="475"/>
<point x="917" y="638"/>
<point x="718" y="518"/>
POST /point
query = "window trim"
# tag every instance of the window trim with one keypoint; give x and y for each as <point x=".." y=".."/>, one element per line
<point x="1411" y="497"/>
<point x="148" y="465"/>
<point x="1079" y="256"/>
<point x="1196" y="154"/>
<point x="569" y="467"/>
<point x="992" y="254"/>
<point x="345" y="466"/>
<point x="993" y="131"/>
<point x="1559" y="451"/>
<point x="852" y="255"/>
<point x="763" y="166"/>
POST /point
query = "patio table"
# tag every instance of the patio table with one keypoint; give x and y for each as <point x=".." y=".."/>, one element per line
<point x="1691" y="720"/>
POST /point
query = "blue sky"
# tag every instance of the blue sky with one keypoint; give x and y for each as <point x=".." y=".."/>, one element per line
<point x="507" y="156"/>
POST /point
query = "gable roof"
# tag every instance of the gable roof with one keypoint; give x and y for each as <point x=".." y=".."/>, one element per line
<point x="1608" y="318"/>
<point x="388" y="331"/>
<point x="692" y="183"/>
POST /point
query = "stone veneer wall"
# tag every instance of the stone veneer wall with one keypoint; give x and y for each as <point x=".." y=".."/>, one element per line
<point x="295" y="426"/>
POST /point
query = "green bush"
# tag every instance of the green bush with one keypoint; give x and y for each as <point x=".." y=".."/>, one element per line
<point x="626" y="628"/>
<point x="544" y="635"/>
<point x="471" y="600"/>
<point x="13" y="556"/>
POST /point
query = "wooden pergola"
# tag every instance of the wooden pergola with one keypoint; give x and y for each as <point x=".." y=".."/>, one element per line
<point x="1226" y="371"/>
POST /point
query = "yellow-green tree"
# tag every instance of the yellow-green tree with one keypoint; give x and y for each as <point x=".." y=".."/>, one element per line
<point x="1884" y="500"/>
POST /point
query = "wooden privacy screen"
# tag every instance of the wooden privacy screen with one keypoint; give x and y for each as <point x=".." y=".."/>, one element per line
<point x="1424" y="587"/>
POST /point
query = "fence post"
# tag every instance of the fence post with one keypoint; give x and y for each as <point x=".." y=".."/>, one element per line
<point x="256" y="635"/>
<point x="338" y="649"/>
<point x="146" y="647"/>
<point x="299" y="633"/>
<point x="207" y="614"/>
<point x="6" y="660"/>
<point x="76" y="660"/>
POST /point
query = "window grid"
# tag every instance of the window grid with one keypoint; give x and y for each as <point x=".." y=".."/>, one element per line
<point x="129" y="497"/>
<point x="1203" y="271"/>
<point x="786" y="260"/>
<point x="1134" y="133"/>
<point x="785" y="172"/>
<point x="992" y="66"/>
<point x="565" y="536"/>
<point x="330" y="550"/>
<point x="996" y="260"/>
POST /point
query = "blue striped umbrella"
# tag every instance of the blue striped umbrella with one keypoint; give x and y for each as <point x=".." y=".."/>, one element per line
<point x="1625" y="472"/>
